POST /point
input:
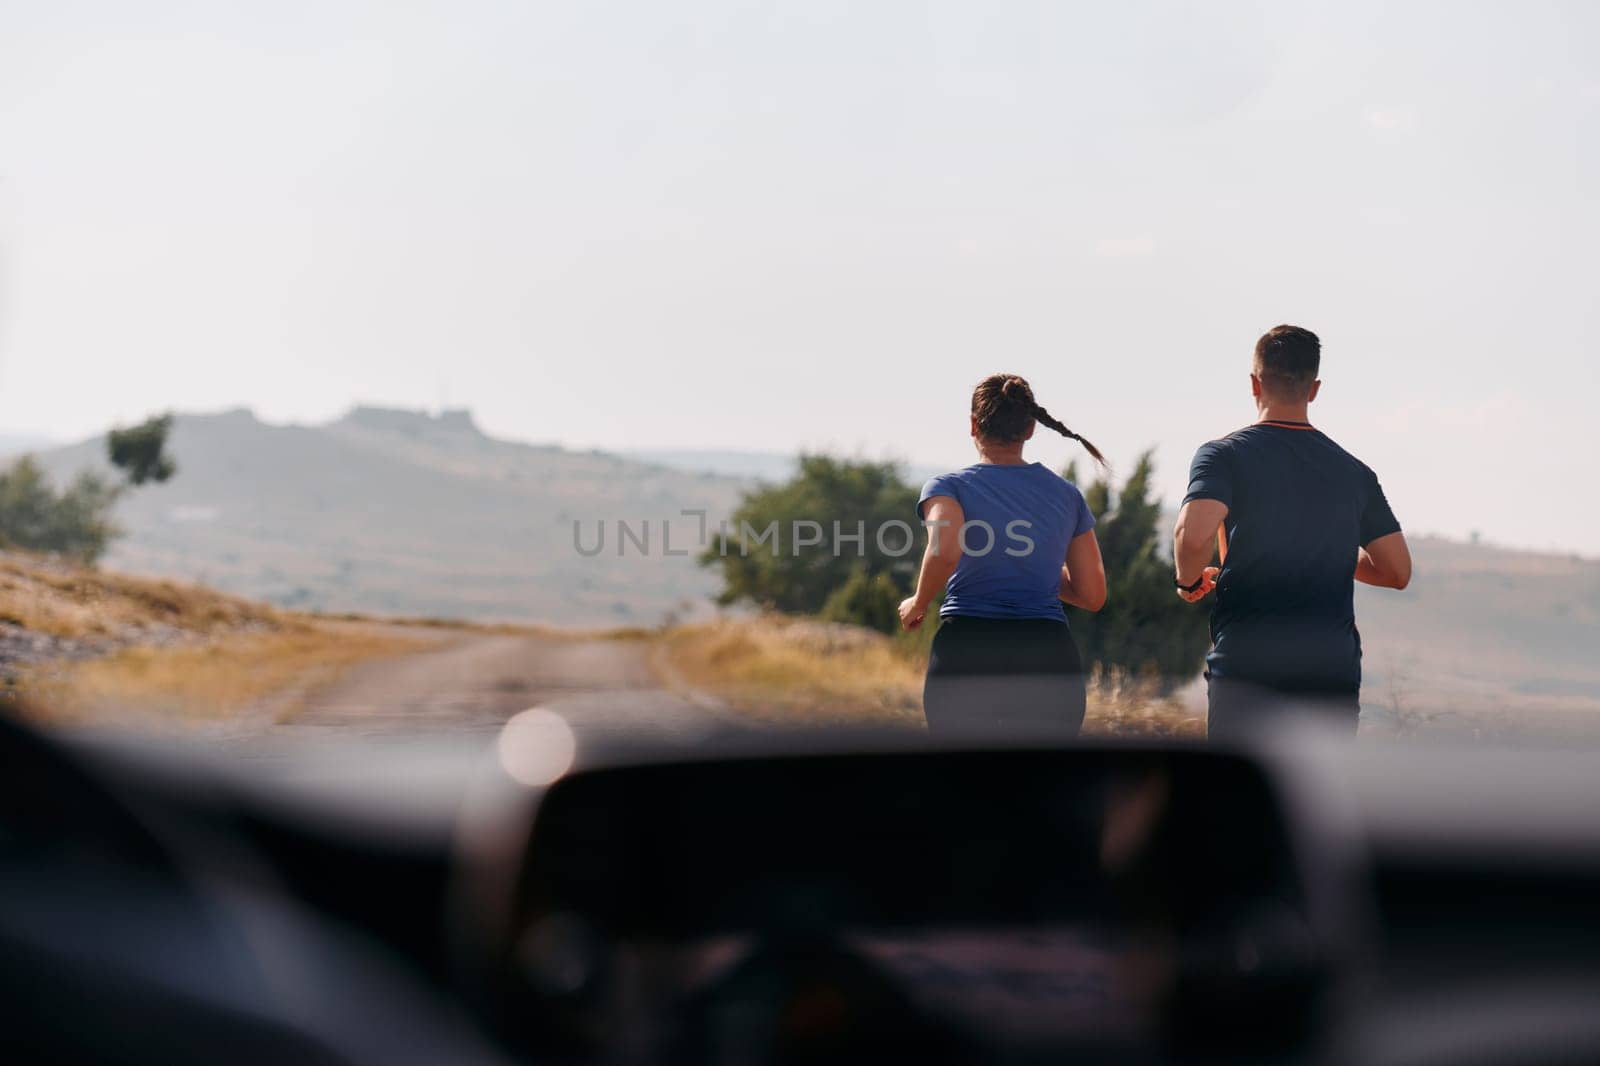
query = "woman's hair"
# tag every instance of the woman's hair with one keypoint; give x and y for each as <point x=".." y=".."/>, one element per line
<point x="1004" y="408"/>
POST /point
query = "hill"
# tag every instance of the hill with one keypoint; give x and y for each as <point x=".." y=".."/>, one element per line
<point x="1486" y="639"/>
<point x="405" y="513"/>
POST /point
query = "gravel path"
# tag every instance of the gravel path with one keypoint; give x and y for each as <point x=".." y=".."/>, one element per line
<point x="469" y="684"/>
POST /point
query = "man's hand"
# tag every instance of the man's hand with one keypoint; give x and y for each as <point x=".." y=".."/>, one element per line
<point x="912" y="613"/>
<point x="1208" y="581"/>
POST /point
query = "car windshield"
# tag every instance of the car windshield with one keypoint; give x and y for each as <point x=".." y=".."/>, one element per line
<point x="1045" y="370"/>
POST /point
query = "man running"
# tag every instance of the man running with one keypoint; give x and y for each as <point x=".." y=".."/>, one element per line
<point x="1297" y="520"/>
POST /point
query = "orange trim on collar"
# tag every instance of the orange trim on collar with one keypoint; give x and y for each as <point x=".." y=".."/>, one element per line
<point x="1284" y="425"/>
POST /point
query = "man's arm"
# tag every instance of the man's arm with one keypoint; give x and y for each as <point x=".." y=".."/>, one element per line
<point x="1384" y="559"/>
<point x="1386" y="562"/>
<point x="943" y="518"/>
<point x="1195" y="538"/>
<point x="1205" y="505"/>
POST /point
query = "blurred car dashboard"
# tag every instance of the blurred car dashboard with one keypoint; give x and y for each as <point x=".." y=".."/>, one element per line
<point x="798" y="898"/>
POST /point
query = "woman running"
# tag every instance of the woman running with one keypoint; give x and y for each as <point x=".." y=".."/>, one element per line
<point x="1013" y="541"/>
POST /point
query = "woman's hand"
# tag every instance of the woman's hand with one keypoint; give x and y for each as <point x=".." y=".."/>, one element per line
<point x="912" y="613"/>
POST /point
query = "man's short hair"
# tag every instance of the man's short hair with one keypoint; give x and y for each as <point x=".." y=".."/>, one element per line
<point x="1287" y="361"/>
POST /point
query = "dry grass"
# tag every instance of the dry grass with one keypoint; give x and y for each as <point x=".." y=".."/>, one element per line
<point x="1121" y="705"/>
<point x="217" y="680"/>
<point x="799" y="671"/>
<point x="815" y="673"/>
<point x="62" y="600"/>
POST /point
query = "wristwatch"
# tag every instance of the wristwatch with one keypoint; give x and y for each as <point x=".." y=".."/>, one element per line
<point x="1193" y="586"/>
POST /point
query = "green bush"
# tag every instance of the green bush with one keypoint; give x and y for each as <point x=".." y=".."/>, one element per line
<point x="826" y="491"/>
<point x="75" y="522"/>
<point x="871" y="600"/>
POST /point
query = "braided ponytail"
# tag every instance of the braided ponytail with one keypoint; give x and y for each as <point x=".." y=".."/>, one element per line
<point x="1047" y="419"/>
<point x="1004" y="408"/>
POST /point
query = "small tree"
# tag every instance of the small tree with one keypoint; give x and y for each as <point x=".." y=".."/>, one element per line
<point x="1143" y="627"/>
<point x="761" y="563"/>
<point x="140" y="451"/>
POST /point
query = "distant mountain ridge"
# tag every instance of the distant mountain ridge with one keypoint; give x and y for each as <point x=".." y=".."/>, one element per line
<point x="17" y="443"/>
<point x="405" y="512"/>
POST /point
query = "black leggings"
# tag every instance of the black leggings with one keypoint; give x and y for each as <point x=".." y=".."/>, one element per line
<point x="1004" y="678"/>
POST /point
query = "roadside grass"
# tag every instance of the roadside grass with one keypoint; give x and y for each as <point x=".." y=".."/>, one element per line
<point x="217" y="680"/>
<point x="804" y="672"/>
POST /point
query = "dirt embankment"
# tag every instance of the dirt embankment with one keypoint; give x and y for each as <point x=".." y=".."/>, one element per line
<point x="79" y="643"/>
<point x="90" y="647"/>
<point x="54" y="611"/>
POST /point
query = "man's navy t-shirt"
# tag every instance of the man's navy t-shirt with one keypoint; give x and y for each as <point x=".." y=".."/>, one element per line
<point x="1299" y="509"/>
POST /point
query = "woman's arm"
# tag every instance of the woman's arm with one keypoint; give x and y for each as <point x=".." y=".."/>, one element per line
<point x="944" y="517"/>
<point x="1083" y="578"/>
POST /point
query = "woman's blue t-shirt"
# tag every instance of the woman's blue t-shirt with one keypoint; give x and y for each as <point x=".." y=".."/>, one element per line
<point x="1019" y="521"/>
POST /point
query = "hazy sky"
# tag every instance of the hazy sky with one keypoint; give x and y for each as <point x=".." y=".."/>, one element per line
<point x="819" y="223"/>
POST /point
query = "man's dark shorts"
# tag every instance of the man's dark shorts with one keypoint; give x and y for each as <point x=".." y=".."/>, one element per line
<point x="1241" y="710"/>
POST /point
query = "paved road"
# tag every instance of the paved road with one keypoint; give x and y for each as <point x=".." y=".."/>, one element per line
<point x="469" y="683"/>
